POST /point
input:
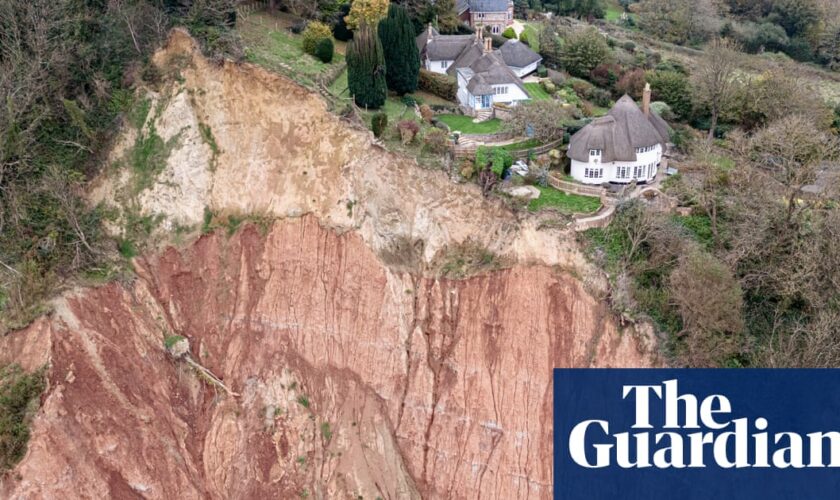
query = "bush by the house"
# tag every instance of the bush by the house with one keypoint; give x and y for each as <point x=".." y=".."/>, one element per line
<point x="408" y="130"/>
<point x="509" y="33"/>
<point x="378" y="122"/>
<point x="600" y="97"/>
<point x="324" y="50"/>
<point x="443" y="86"/>
<point x="523" y="37"/>
<point x="436" y="141"/>
<point x="549" y="87"/>
<point x="542" y="71"/>
<point x="499" y="159"/>
<point x="314" y="32"/>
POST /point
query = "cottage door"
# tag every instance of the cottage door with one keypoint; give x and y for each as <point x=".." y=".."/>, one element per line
<point x="485" y="101"/>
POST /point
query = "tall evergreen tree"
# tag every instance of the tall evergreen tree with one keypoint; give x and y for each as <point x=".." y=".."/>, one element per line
<point x="366" y="68"/>
<point x="401" y="57"/>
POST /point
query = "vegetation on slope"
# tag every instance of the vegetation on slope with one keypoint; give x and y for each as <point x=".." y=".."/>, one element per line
<point x="19" y="393"/>
<point x="67" y="72"/>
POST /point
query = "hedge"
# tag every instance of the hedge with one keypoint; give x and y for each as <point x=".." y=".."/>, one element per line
<point x="438" y="84"/>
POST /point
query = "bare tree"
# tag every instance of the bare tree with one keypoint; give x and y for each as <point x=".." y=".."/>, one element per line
<point x="715" y="78"/>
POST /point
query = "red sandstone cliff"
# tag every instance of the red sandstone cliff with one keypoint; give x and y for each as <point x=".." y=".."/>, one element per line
<point x="431" y="387"/>
<point x="358" y="374"/>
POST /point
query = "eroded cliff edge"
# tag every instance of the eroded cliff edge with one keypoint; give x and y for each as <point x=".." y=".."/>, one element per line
<point x="359" y="373"/>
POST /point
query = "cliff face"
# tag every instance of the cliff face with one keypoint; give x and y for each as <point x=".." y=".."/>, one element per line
<point x="353" y="379"/>
<point x="357" y="372"/>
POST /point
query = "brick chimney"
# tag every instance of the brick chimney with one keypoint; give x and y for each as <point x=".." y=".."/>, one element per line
<point x="646" y="100"/>
<point x="488" y="45"/>
<point x="431" y="33"/>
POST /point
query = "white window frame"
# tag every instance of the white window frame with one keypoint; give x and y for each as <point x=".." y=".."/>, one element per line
<point x="595" y="152"/>
<point x="622" y="172"/>
<point x="593" y="173"/>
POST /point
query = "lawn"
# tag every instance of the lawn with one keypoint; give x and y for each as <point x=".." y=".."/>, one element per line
<point x="565" y="203"/>
<point x="339" y="86"/>
<point x="536" y="91"/>
<point x="465" y="124"/>
<point x="269" y="44"/>
<point x="533" y="34"/>
<point x="519" y="146"/>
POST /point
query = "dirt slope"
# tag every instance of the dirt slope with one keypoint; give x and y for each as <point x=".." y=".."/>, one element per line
<point x="358" y="373"/>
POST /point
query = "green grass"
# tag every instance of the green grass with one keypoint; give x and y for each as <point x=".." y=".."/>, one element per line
<point x="563" y="202"/>
<point x="270" y="45"/>
<point x="338" y="88"/>
<point x="533" y="34"/>
<point x="465" y="124"/>
<point x="537" y="92"/>
<point x="519" y="146"/>
<point x="171" y="340"/>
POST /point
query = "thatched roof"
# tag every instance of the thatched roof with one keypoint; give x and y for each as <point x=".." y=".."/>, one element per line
<point x="618" y="134"/>
<point x="423" y="38"/>
<point x="471" y="54"/>
<point x="518" y="54"/>
<point x="447" y="47"/>
<point x="489" y="70"/>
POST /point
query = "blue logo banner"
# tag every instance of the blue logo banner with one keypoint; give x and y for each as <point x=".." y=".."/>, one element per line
<point x="653" y="434"/>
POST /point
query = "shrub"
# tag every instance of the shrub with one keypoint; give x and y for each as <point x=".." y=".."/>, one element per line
<point x="605" y="75"/>
<point x="340" y="29"/>
<point x="582" y="88"/>
<point x="18" y="390"/>
<point x="408" y="100"/>
<point x="324" y="50"/>
<point x="542" y="71"/>
<point x="378" y="122"/>
<point x="673" y="88"/>
<point x="436" y="141"/>
<point x="408" y="130"/>
<point x="583" y="51"/>
<point x="629" y="47"/>
<point x="467" y="169"/>
<point x="440" y="85"/>
<point x="427" y="113"/>
<point x="509" y="33"/>
<point x="631" y="83"/>
<point x="549" y="87"/>
<point x="298" y="26"/>
<point x="499" y="159"/>
<point x="314" y="32"/>
<point x="601" y="97"/>
<point x="523" y="37"/>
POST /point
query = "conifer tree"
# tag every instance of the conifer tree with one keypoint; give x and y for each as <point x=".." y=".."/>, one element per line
<point x="401" y="57"/>
<point x="366" y="68"/>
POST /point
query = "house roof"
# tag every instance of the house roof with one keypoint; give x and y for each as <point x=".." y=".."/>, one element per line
<point x="467" y="57"/>
<point x="618" y="134"/>
<point x="488" y="5"/>
<point x="447" y="48"/>
<point x="423" y="38"/>
<point x="518" y="54"/>
<point x="462" y="6"/>
<point x="489" y="70"/>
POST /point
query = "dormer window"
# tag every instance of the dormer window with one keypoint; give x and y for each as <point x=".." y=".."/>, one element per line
<point x="594" y="152"/>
